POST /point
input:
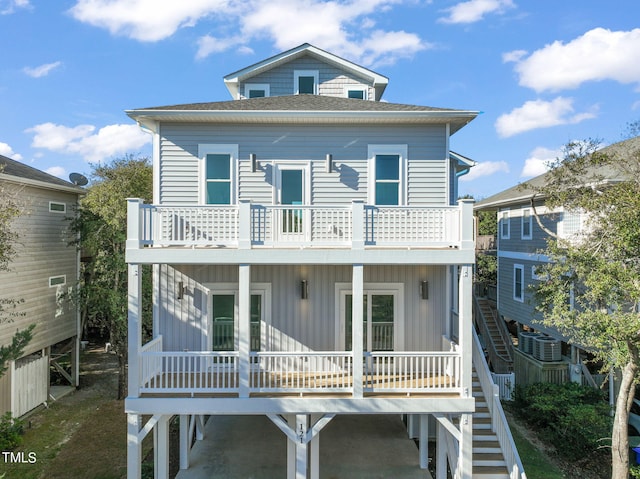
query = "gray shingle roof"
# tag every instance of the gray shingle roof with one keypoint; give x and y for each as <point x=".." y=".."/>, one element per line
<point x="20" y="170"/>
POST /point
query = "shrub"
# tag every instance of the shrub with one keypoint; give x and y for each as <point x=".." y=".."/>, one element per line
<point x="10" y="432"/>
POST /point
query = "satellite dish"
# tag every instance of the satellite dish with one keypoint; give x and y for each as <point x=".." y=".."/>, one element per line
<point x="78" y="179"/>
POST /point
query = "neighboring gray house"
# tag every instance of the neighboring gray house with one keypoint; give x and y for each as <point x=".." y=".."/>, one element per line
<point x="310" y="260"/>
<point x="43" y="271"/>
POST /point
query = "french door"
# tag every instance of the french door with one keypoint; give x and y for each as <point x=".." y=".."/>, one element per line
<point x="291" y="190"/>
<point x="224" y="321"/>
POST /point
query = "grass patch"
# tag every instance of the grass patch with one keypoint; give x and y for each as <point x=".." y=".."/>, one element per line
<point x="536" y="464"/>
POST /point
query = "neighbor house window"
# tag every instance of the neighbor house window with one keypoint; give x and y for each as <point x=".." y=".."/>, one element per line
<point x="218" y="165"/>
<point x="57" y="280"/>
<point x="55" y="207"/>
<point x="306" y="81"/>
<point x="504" y="225"/>
<point x="518" y="282"/>
<point x="256" y="90"/>
<point x="527" y="224"/>
<point x="388" y="163"/>
<point x="357" y="92"/>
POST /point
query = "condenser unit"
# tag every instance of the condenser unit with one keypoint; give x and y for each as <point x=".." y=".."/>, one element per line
<point x="525" y="341"/>
<point x="546" y="348"/>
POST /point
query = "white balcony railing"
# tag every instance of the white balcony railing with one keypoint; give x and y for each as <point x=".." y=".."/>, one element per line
<point x="249" y="225"/>
<point x="296" y="372"/>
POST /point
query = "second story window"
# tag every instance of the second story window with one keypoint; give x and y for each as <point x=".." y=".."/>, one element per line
<point x="306" y="81"/>
<point x="527" y="224"/>
<point x="387" y="174"/>
<point x="504" y="225"/>
<point x="357" y="92"/>
<point x="256" y="90"/>
<point x="518" y="282"/>
<point x="218" y="174"/>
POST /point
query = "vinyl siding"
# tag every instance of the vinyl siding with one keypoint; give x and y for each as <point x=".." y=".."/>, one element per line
<point x="538" y="240"/>
<point x="179" y="165"/>
<point x="299" y="324"/>
<point x="42" y="251"/>
<point x="333" y="81"/>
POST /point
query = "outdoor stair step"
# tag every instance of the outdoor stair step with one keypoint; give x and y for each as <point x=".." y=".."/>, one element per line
<point x="491" y="472"/>
<point x="487" y="437"/>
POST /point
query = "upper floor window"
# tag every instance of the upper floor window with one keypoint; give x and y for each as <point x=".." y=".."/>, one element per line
<point x="527" y="224"/>
<point x="256" y="90"/>
<point x="306" y="81"/>
<point x="218" y="173"/>
<point x="518" y="282"/>
<point x="388" y="164"/>
<point x="505" y="230"/>
<point x="57" y="207"/>
<point x="359" y="92"/>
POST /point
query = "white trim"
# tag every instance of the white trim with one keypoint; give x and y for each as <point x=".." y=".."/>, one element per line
<point x="64" y="207"/>
<point x="363" y="88"/>
<point x="522" y="221"/>
<point x="263" y="289"/>
<point x="396" y="289"/>
<point x="523" y="256"/>
<point x="521" y="268"/>
<point x="52" y="278"/>
<point x="279" y="166"/>
<point x="402" y="151"/>
<point x="501" y="218"/>
<point x="257" y="86"/>
<point x="306" y="73"/>
<point x="205" y="149"/>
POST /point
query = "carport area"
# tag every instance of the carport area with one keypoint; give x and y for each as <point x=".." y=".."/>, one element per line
<point x="351" y="447"/>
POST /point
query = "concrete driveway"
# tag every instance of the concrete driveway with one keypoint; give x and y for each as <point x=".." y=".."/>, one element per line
<point x="351" y="447"/>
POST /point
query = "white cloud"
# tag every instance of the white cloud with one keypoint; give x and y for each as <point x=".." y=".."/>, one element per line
<point x="538" y="162"/>
<point x="474" y="10"/>
<point x="6" y="150"/>
<point x="486" y="168"/>
<point x="597" y="55"/>
<point x="42" y="70"/>
<point x="58" y="171"/>
<point x="84" y="140"/>
<point x="8" y="7"/>
<point x="540" y="114"/>
<point x="344" y="27"/>
<point x="514" y="56"/>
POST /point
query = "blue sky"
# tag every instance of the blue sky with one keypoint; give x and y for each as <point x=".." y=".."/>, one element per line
<point x="541" y="72"/>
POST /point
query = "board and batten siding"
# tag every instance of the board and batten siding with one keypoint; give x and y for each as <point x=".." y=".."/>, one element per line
<point x="348" y="145"/>
<point x="298" y="324"/>
<point x="42" y="251"/>
<point x="332" y="80"/>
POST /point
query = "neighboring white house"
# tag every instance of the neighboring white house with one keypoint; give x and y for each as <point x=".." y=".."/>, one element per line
<point x="310" y="259"/>
<point x="44" y="269"/>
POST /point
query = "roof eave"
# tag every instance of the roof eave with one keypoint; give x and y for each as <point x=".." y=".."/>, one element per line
<point x="42" y="184"/>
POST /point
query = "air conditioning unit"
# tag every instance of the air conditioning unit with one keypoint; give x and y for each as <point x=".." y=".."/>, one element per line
<point x="525" y="341"/>
<point x="547" y="349"/>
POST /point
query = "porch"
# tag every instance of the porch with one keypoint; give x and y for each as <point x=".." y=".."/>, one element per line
<point x="215" y="373"/>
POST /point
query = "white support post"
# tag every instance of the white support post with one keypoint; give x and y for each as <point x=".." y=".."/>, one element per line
<point x="244" y="328"/>
<point x="465" y="448"/>
<point x="424" y="441"/>
<point x="134" y="329"/>
<point x="357" y="334"/>
<point x="467" y="233"/>
<point x="244" y="224"/>
<point x="185" y="441"/>
<point x="133" y="223"/>
<point x="134" y="447"/>
<point x="161" y="447"/>
<point x="291" y="450"/>
<point x="314" y="453"/>
<point x="302" y="423"/>
<point x="357" y="229"/>
<point x="465" y="326"/>
<point x="199" y="421"/>
<point x="441" y="453"/>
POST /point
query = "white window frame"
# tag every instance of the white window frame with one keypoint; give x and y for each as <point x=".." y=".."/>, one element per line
<point x="402" y="151"/>
<point x="538" y="277"/>
<point x="361" y="88"/>
<point x="519" y="267"/>
<point x="64" y="207"/>
<point x="53" y="278"/>
<point x="306" y="73"/>
<point x="507" y="219"/>
<point x="522" y="222"/>
<point x="218" y="149"/>
<point x="257" y="86"/>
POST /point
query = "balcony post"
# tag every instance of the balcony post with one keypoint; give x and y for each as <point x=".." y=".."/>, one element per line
<point x="244" y="224"/>
<point x="357" y="219"/>
<point x="357" y="293"/>
<point x="465" y="325"/>
<point x="134" y="325"/>
<point x="133" y="223"/>
<point x="467" y="233"/>
<point x="244" y="328"/>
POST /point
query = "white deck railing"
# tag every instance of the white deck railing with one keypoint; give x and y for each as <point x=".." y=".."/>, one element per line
<point x="250" y="225"/>
<point x="297" y="372"/>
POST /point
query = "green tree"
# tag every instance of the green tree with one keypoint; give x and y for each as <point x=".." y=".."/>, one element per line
<point x="8" y="237"/>
<point x="592" y="291"/>
<point x="102" y="224"/>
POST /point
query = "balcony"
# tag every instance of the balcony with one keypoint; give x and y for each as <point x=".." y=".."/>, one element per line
<point x="254" y="226"/>
<point x="218" y="373"/>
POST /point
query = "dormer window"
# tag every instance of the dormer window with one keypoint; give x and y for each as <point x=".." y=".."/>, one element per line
<point x="256" y="90"/>
<point x="358" y="92"/>
<point x="305" y="81"/>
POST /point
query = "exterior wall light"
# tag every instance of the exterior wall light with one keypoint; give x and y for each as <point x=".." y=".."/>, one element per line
<point x="180" y="290"/>
<point x="304" y="289"/>
<point x="424" y="289"/>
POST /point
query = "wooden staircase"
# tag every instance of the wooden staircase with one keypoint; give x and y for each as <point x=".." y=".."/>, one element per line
<point x="488" y="460"/>
<point x="496" y="337"/>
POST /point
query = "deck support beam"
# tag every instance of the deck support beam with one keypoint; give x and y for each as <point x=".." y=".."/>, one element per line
<point x="244" y="328"/>
<point x="134" y="447"/>
<point x="465" y="447"/>
<point x="357" y="329"/>
<point x="441" y="453"/>
<point x="185" y="441"/>
<point x="161" y="447"/>
<point x="423" y="441"/>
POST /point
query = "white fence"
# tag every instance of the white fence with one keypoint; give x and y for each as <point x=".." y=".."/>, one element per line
<point x="29" y="384"/>
<point x="506" y="384"/>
